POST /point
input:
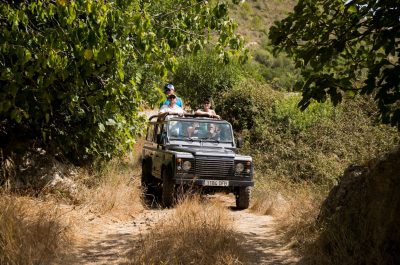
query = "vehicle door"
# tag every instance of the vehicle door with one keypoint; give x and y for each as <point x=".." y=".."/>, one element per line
<point x="159" y="141"/>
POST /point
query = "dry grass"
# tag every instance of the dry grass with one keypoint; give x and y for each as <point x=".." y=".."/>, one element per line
<point x="196" y="233"/>
<point x="295" y="207"/>
<point x="115" y="192"/>
<point x="297" y="220"/>
<point x="31" y="232"/>
<point x="268" y="196"/>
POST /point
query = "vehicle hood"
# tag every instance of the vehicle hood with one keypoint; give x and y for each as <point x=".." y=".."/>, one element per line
<point x="212" y="151"/>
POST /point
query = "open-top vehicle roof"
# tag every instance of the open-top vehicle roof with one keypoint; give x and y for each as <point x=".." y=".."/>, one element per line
<point x="166" y="117"/>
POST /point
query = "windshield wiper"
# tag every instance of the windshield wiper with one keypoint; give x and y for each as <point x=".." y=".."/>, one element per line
<point x="189" y="138"/>
<point x="211" y="140"/>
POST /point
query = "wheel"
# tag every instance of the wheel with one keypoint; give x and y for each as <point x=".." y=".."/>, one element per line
<point x="243" y="198"/>
<point x="167" y="195"/>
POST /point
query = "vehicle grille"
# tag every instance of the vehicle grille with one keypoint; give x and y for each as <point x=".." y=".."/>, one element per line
<point x="213" y="167"/>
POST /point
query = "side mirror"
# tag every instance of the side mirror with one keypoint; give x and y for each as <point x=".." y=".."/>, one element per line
<point x="239" y="142"/>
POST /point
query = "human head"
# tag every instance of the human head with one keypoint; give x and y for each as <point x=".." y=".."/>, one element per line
<point x="212" y="128"/>
<point x="169" y="89"/>
<point x="172" y="99"/>
<point x="207" y="104"/>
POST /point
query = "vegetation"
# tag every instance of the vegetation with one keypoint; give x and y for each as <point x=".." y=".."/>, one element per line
<point x="204" y="75"/>
<point x="115" y="191"/>
<point x="68" y="64"/>
<point x="196" y="233"/>
<point x="30" y="232"/>
<point x="65" y="65"/>
<point x="340" y="44"/>
<point x="313" y="145"/>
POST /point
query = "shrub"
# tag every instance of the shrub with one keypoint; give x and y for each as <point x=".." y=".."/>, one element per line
<point x="248" y="100"/>
<point x="316" y="147"/>
<point x="279" y="71"/>
<point x="204" y="75"/>
<point x="286" y="111"/>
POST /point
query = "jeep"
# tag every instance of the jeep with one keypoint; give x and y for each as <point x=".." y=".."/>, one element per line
<point x="196" y="152"/>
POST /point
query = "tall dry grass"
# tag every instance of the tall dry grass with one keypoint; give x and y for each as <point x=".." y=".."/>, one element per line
<point x="31" y="232"/>
<point x="196" y="233"/>
<point x="295" y="207"/>
<point x="115" y="192"/>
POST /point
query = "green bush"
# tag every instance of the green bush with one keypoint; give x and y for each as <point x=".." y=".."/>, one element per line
<point x="204" y="75"/>
<point x="286" y="111"/>
<point x="316" y="145"/>
<point x="247" y="101"/>
<point x="279" y="71"/>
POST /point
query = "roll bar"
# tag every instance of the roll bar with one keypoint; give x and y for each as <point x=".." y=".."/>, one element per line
<point x="163" y="116"/>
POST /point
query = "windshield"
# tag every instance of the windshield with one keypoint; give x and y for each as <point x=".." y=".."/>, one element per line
<point x="201" y="130"/>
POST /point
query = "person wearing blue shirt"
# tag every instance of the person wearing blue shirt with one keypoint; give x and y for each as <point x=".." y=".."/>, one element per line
<point x="169" y="89"/>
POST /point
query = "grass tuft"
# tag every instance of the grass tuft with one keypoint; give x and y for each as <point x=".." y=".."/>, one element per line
<point x="31" y="232"/>
<point x="115" y="192"/>
<point x="196" y="233"/>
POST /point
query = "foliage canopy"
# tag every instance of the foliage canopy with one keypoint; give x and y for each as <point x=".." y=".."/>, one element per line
<point x="204" y="75"/>
<point x="75" y="73"/>
<point x="338" y="44"/>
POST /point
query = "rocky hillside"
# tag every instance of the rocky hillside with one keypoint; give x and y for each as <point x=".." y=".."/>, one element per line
<point x="361" y="216"/>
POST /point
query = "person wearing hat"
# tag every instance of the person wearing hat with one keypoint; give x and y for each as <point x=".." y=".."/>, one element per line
<point x="169" y="89"/>
<point x="207" y="110"/>
<point x="172" y="107"/>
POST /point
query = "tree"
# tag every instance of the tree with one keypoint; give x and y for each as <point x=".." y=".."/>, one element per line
<point x="203" y="76"/>
<point x="74" y="74"/>
<point x="345" y="47"/>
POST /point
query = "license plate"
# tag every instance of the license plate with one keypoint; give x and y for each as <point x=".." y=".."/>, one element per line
<point x="211" y="182"/>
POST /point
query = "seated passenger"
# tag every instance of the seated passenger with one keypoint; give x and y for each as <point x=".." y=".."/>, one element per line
<point x="207" y="110"/>
<point x="172" y="107"/>
<point x="212" y="132"/>
<point x="193" y="130"/>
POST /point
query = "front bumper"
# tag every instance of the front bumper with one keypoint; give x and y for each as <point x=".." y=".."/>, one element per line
<point x="201" y="182"/>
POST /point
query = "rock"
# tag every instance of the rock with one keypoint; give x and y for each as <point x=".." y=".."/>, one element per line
<point x="361" y="216"/>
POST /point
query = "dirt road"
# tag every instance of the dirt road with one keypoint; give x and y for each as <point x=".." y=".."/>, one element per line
<point x="108" y="241"/>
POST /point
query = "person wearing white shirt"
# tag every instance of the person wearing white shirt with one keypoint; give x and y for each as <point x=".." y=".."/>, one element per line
<point x="172" y="107"/>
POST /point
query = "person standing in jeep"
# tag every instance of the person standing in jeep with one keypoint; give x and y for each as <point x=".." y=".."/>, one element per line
<point x="207" y="109"/>
<point x="172" y="107"/>
<point x="169" y="89"/>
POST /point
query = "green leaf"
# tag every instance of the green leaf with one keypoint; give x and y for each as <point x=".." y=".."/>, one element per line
<point x="88" y="54"/>
<point x="352" y="9"/>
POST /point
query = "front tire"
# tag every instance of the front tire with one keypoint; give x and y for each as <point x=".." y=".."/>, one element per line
<point x="243" y="198"/>
<point x="167" y="195"/>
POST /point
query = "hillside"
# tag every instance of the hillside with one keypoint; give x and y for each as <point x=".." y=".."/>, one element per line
<point x="255" y="17"/>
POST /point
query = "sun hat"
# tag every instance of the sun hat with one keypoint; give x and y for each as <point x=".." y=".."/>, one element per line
<point x="169" y="87"/>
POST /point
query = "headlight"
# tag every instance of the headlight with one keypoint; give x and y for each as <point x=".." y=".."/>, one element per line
<point x="239" y="168"/>
<point x="187" y="165"/>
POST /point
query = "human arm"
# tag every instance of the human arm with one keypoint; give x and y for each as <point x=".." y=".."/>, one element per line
<point x="165" y="110"/>
<point x="210" y="113"/>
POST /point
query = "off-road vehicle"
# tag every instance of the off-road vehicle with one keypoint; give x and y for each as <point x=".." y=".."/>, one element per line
<point x="196" y="152"/>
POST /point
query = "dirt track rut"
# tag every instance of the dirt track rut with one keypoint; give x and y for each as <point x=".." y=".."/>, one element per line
<point x="108" y="241"/>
